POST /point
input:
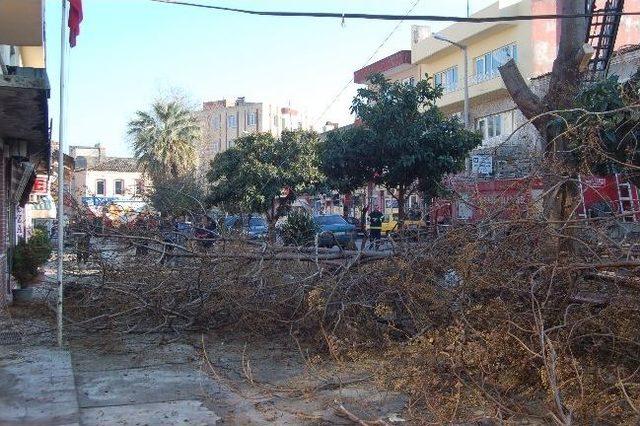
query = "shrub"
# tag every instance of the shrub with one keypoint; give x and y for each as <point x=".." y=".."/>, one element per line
<point x="30" y="255"/>
<point x="299" y="229"/>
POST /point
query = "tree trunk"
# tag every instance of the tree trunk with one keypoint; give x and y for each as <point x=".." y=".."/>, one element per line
<point x="564" y="83"/>
<point x="400" y="198"/>
<point x="272" y="218"/>
<point x="346" y="205"/>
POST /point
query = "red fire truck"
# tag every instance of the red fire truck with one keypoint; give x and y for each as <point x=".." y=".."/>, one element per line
<point x="475" y="200"/>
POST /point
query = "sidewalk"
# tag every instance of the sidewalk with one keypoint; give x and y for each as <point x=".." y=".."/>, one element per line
<point x="37" y="386"/>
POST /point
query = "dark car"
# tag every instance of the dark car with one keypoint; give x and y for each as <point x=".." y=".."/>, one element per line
<point x="252" y="226"/>
<point x="333" y="229"/>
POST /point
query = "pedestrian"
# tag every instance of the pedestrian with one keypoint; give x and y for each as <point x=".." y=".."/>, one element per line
<point x="82" y="247"/>
<point x="167" y="229"/>
<point x="375" y="227"/>
<point x="210" y="227"/>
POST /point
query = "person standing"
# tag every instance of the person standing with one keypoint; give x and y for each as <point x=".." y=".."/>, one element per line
<point x="375" y="226"/>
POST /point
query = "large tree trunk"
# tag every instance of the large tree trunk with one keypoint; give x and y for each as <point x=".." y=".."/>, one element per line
<point x="564" y="83"/>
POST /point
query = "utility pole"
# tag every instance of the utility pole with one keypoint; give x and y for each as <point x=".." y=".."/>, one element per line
<point x="466" y="75"/>
<point x="61" y="137"/>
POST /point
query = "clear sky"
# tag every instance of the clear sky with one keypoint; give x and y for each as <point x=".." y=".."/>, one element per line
<point x="132" y="51"/>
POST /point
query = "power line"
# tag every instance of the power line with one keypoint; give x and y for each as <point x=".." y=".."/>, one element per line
<point x="392" y="17"/>
<point x="375" y="52"/>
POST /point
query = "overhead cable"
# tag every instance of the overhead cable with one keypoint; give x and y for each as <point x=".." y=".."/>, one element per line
<point x="392" y="17"/>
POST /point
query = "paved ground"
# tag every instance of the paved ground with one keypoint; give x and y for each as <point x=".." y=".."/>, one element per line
<point x="37" y="387"/>
<point x="201" y="380"/>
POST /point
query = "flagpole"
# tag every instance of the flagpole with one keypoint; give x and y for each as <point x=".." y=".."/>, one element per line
<point x="61" y="138"/>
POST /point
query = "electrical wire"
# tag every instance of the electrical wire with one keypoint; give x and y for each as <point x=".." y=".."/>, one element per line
<point x="375" y="52"/>
<point x="392" y="17"/>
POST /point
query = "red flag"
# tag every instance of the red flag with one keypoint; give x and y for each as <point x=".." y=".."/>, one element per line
<point x="75" y="17"/>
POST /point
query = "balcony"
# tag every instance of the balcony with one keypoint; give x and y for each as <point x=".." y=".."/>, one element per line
<point x="479" y="85"/>
<point x="24" y="116"/>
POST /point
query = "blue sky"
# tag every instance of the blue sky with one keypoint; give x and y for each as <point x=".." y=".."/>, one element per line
<point x="130" y="52"/>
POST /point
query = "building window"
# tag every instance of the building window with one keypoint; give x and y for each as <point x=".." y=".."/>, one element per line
<point x="232" y="122"/>
<point x="251" y="119"/>
<point x="118" y="187"/>
<point x="275" y="120"/>
<point x="100" y="187"/>
<point x="216" y="123"/>
<point x="486" y="66"/>
<point x="495" y="125"/>
<point x="448" y="79"/>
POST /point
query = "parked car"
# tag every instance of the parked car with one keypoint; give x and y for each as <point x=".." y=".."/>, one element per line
<point x="333" y="229"/>
<point x="253" y="227"/>
<point x="389" y="223"/>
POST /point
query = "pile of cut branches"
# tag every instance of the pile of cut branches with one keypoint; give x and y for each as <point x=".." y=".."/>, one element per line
<point x="487" y="318"/>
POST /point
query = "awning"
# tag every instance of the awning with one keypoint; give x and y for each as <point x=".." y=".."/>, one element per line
<point x="23" y="176"/>
<point x="24" y="110"/>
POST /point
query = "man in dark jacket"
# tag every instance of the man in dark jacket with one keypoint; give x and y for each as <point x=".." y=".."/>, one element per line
<point x="375" y="226"/>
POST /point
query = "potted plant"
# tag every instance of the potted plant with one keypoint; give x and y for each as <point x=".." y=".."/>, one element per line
<point x="28" y="256"/>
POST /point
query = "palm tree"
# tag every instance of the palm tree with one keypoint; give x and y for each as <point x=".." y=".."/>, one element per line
<point x="164" y="139"/>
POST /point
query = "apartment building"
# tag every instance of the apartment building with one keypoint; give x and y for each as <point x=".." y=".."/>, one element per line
<point x="224" y="121"/>
<point x="24" y="120"/>
<point x="492" y="112"/>
<point x="532" y="44"/>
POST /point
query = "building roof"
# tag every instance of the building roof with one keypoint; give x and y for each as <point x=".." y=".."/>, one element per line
<point x="110" y="164"/>
<point x="391" y="62"/>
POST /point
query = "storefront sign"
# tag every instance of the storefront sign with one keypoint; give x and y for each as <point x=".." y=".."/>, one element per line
<point x="482" y="164"/>
<point x="40" y="186"/>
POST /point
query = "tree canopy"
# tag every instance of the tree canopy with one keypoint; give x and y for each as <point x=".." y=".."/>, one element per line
<point x="603" y="128"/>
<point x="408" y="139"/>
<point x="262" y="174"/>
<point x="164" y="139"/>
<point x="179" y="195"/>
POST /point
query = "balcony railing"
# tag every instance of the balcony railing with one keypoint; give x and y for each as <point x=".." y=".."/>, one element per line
<point x="451" y="87"/>
<point x="473" y="80"/>
<point x="480" y="78"/>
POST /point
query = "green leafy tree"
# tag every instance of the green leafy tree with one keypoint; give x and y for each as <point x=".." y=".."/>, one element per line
<point x="178" y="195"/>
<point x="262" y="174"/>
<point x="164" y="138"/>
<point x="410" y="139"/>
<point x="604" y="128"/>
<point x="345" y="158"/>
<point x="299" y="228"/>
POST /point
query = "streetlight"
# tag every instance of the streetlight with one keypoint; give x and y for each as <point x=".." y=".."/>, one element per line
<point x="466" y="75"/>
